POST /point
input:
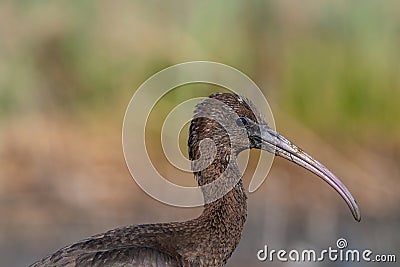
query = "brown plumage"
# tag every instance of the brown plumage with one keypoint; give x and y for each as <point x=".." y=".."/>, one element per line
<point x="210" y="239"/>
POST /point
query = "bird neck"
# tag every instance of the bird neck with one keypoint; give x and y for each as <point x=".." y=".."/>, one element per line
<point x="218" y="229"/>
<point x="226" y="216"/>
<point x="233" y="204"/>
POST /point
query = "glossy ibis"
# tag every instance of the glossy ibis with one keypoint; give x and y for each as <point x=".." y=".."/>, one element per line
<point x="210" y="239"/>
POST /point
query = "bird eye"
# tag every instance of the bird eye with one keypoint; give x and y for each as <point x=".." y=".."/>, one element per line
<point x="241" y="121"/>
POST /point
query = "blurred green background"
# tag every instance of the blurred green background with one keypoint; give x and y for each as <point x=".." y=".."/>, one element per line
<point x="330" y="70"/>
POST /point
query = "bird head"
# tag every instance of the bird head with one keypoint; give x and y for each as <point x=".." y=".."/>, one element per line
<point x="235" y="124"/>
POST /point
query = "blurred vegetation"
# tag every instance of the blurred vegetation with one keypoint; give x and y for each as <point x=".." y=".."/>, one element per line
<point x="333" y="65"/>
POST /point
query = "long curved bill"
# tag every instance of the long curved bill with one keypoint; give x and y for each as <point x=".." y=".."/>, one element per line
<point x="278" y="144"/>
